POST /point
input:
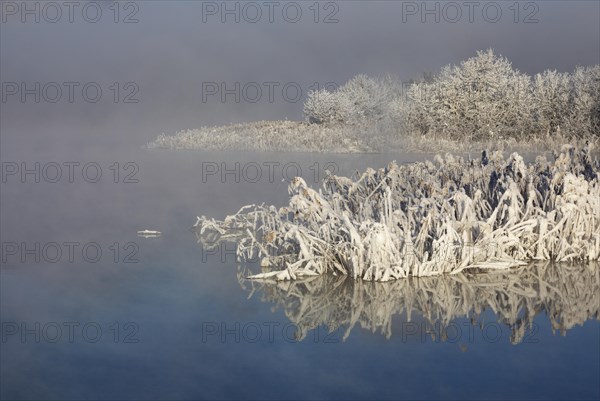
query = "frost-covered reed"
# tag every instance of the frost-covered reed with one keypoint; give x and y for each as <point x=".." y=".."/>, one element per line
<point x="427" y="218"/>
<point x="568" y="294"/>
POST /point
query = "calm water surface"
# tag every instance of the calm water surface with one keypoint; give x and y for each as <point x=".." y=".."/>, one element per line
<point x="179" y="321"/>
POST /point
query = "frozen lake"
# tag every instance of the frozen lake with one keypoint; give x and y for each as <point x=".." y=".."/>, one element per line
<point x="91" y="310"/>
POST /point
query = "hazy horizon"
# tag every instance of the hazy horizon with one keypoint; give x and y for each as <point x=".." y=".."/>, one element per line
<point x="170" y="53"/>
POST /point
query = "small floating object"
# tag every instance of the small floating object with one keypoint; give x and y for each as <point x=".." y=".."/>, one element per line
<point x="149" y="233"/>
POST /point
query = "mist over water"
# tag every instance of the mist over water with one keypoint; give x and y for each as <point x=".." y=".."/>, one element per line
<point x="168" y="307"/>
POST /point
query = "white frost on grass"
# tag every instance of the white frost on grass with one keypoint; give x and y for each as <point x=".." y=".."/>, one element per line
<point x="277" y="136"/>
<point x="425" y="219"/>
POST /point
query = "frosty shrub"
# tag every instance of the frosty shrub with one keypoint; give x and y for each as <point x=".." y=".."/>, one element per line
<point x="360" y="100"/>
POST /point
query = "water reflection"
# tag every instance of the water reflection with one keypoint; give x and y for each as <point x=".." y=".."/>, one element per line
<point x="569" y="295"/>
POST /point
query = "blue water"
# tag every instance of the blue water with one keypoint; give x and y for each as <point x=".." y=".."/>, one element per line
<point x="176" y="323"/>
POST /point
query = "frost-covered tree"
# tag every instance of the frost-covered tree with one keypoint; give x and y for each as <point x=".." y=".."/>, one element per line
<point x="585" y="116"/>
<point x="551" y="93"/>
<point x="370" y="98"/>
<point x="323" y="107"/>
<point x="482" y="97"/>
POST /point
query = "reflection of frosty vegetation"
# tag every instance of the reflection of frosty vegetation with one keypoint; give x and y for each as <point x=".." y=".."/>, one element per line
<point x="426" y="219"/>
<point x="568" y="294"/>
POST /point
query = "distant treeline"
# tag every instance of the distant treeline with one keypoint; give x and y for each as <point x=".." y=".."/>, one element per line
<point x="484" y="98"/>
